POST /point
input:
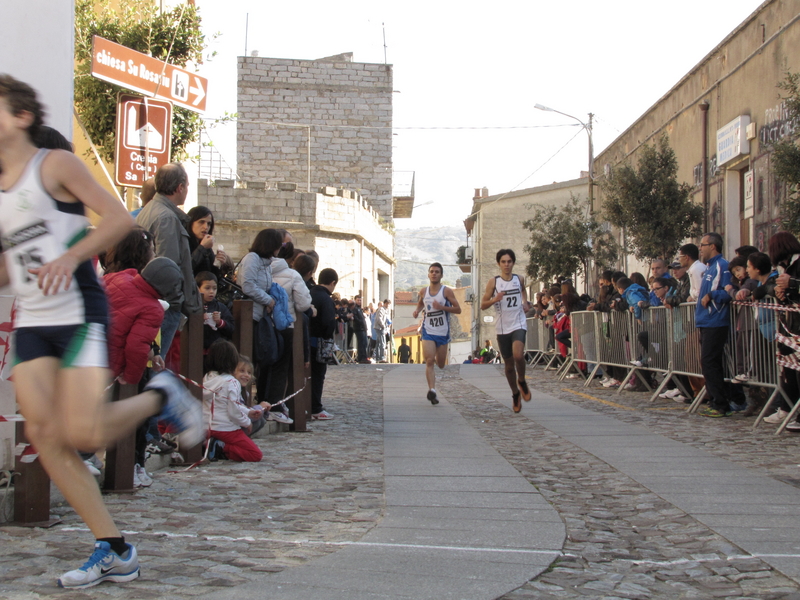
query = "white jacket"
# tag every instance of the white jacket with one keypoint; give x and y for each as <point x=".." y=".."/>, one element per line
<point x="292" y="282"/>
<point x="226" y="393"/>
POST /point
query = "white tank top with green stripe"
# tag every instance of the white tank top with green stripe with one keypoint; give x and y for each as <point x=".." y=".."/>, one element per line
<point x="35" y="230"/>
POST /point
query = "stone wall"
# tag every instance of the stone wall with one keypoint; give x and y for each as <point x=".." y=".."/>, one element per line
<point x="336" y="223"/>
<point x="346" y="105"/>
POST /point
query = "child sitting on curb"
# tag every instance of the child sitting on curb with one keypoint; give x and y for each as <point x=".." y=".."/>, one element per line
<point x="224" y="413"/>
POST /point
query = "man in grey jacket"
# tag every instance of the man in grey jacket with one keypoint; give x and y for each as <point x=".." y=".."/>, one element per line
<point x="162" y="217"/>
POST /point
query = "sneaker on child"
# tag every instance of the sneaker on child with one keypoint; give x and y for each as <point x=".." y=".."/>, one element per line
<point x="323" y="415"/>
<point x="141" y="476"/>
<point x="279" y="416"/>
<point x="103" y="565"/>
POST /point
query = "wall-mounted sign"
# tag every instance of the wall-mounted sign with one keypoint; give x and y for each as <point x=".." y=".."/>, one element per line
<point x="732" y="140"/>
<point x="748" y="194"/>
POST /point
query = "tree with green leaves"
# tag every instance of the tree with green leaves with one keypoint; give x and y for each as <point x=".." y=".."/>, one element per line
<point x="786" y="156"/>
<point x="656" y="211"/>
<point x="172" y="36"/>
<point x="565" y="241"/>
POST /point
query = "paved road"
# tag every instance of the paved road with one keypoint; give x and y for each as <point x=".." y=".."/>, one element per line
<point x="585" y="494"/>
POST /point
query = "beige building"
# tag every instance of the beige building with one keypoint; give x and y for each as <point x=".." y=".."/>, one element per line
<point x="722" y="118"/>
<point x="495" y="223"/>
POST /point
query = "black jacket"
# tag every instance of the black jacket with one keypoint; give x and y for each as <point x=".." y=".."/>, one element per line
<point x="324" y="324"/>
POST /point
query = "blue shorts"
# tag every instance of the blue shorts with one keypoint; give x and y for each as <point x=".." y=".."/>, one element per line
<point x="439" y="340"/>
<point x="81" y="345"/>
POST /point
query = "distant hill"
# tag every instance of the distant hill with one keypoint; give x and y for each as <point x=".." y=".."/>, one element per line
<point x="416" y="249"/>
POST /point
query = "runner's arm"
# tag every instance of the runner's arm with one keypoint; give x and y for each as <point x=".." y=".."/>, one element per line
<point x="67" y="179"/>
<point x="526" y="306"/>
<point x="488" y="299"/>
<point x="420" y="303"/>
<point x="456" y="307"/>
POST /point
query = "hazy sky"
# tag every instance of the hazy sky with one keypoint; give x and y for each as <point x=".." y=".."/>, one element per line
<point x="461" y="67"/>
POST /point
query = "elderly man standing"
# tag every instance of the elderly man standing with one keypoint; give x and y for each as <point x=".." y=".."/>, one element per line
<point x="712" y="318"/>
<point x="162" y="217"/>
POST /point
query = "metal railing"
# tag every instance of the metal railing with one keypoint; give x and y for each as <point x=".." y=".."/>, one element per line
<point x="665" y="341"/>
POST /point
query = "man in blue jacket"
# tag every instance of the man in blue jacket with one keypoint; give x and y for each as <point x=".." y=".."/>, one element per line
<point x="712" y="318"/>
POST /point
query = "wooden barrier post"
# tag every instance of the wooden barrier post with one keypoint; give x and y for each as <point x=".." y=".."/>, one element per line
<point x="31" y="490"/>
<point x="300" y="405"/>
<point x="243" y="335"/>
<point x="243" y="331"/>
<point x="121" y="458"/>
<point x="192" y="368"/>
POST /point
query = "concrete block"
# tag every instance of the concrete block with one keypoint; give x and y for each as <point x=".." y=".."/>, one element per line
<point x="224" y="183"/>
<point x="255" y="185"/>
<point x="287" y="186"/>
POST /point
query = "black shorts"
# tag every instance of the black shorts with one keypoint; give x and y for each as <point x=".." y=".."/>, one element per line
<point x="505" y="342"/>
<point x="81" y="345"/>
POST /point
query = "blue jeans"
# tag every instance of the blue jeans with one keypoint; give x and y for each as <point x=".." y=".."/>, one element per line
<point x="170" y="324"/>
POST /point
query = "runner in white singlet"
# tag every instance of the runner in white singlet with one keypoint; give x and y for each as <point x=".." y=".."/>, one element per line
<point x="438" y="302"/>
<point x="60" y="369"/>
<point x="506" y="292"/>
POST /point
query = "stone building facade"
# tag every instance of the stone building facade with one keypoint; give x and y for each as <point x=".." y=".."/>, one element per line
<point x="325" y="122"/>
<point x="333" y="194"/>
<point x="731" y="95"/>
<point x="347" y="233"/>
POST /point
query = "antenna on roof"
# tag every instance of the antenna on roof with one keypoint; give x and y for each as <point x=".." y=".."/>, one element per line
<point x="384" y="43"/>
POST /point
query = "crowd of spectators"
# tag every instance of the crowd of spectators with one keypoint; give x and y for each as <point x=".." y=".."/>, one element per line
<point x="170" y="267"/>
<point x="716" y="292"/>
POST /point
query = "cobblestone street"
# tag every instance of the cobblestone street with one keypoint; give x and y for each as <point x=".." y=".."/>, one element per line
<point x="226" y="526"/>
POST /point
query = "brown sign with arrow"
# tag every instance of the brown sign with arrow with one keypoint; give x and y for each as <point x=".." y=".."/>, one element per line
<point x="147" y="75"/>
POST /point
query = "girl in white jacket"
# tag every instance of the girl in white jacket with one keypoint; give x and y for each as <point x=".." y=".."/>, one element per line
<point x="299" y="302"/>
<point x="222" y="408"/>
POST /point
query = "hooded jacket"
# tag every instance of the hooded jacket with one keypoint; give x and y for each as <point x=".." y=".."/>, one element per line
<point x="716" y="277"/>
<point x="633" y="295"/>
<point x="225" y="392"/>
<point x="136" y="316"/>
<point x="294" y="286"/>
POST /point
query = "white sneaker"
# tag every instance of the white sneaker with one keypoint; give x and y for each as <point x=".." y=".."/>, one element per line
<point x="611" y="383"/>
<point x="637" y="363"/>
<point x="103" y="565"/>
<point x="279" y="417"/>
<point x="680" y="398"/>
<point x="322" y="416"/>
<point x="777" y="418"/>
<point x="604" y="380"/>
<point x="92" y="469"/>
<point x="670" y="394"/>
<point x="630" y="387"/>
<point x="143" y="476"/>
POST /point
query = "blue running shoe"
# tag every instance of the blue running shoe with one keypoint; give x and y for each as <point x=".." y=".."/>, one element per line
<point x="182" y="409"/>
<point x="103" y="565"/>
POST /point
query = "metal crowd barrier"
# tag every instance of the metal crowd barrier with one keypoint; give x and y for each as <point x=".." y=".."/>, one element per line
<point x="537" y="345"/>
<point x="666" y="341"/>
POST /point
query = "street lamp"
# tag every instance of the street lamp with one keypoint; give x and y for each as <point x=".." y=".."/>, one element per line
<point x="588" y="129"/>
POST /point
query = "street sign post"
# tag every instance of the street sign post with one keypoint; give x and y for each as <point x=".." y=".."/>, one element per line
<point x="144" y="131"/>
<point x="147" y="75"/>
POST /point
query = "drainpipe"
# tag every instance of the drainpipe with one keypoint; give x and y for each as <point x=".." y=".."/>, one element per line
<point x="704" y="185"/>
